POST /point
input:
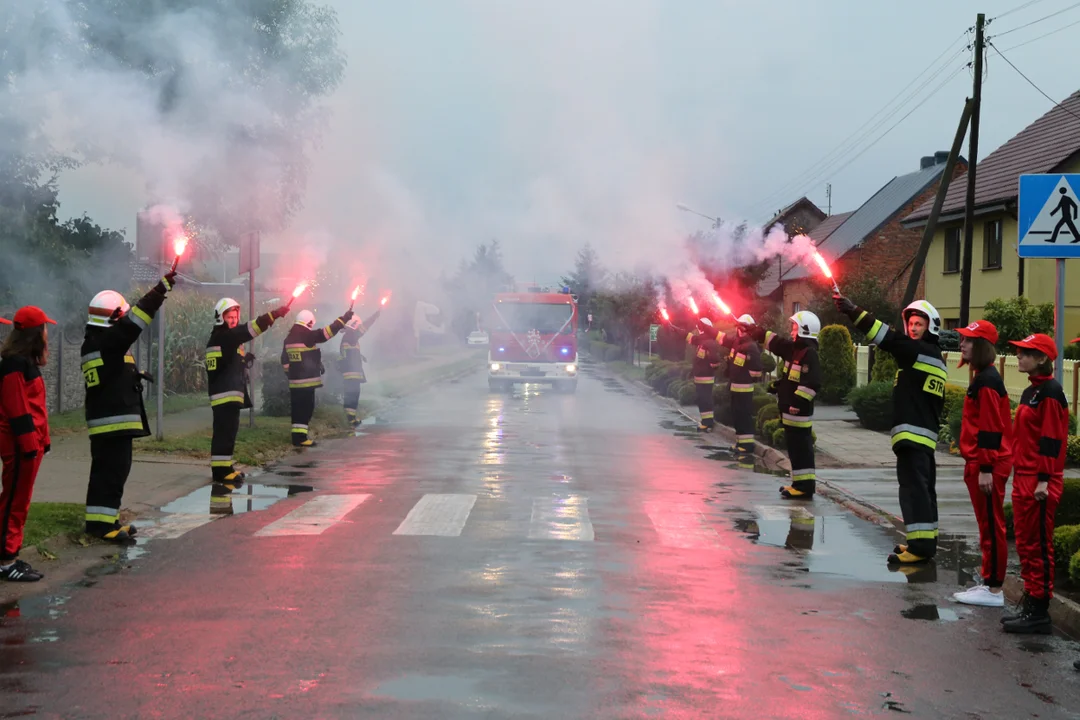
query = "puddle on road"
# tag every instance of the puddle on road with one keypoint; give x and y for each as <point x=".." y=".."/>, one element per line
<point x="930" y="612"/>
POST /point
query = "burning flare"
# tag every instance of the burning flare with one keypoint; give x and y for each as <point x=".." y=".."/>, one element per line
<point x="298" y="292"/>
<point x="664" y="314"/>
<point x="825" y="269"/>
<point x="722" y="305"/>
<point x="693" y="305"/>
<point x="179" y="246"/>
<point x="355" y="293"/>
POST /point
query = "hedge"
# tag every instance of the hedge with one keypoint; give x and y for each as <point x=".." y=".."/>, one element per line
<point x="1072" y="454"/>
<point x="954" y="398"/>
<point x="769" y="412"/>
<point x="763" y="399"/>
<point x="873" y="404"/>
<point x="1066" y="543"/>
<point x="769" y="429"/>
<point x="1074" y="569"/>
<point x="768" y="364"/>
<point x="884" y="367"/>
<point x="837" y="355"/>
<point x="688" y="393"/>
<point x="275" y="389"/>
<point x="779" y="440"/>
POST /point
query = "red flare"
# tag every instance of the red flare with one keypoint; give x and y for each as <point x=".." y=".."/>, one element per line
<point x="693" y="305"/>
<point x="298" y="292"/>
<point x="356" y="292"/>
<point x="825" y="269"/>
<point x="664" y="314"/>
<point x="385" y="300"/>
<point x="179" y="246"/>
<point x="722" y="305"/>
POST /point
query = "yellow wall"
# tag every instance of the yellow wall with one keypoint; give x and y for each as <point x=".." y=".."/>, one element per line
<point x="943" y="290"/>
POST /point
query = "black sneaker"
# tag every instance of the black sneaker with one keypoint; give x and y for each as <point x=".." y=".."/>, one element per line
<point x="1035" y="620"/>
<point x="20" y="572"/>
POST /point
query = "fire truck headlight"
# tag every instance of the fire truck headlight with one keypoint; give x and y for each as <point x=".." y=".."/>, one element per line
<point x="571" y="368"/>
<point x="495" y="367"/>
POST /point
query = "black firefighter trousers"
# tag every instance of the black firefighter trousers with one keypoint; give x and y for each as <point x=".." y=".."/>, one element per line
<point x="742" y="416"/>
<point x="703" y="387"/>
<point x="800" y="448"/>
<point x="351" y="400"/>
<point x="916" y="472"/>
<point x="303" y="407"/>
<point x="110" y="465"/>
<point x="226" y="426"/>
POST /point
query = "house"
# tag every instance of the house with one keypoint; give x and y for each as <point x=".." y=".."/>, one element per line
<point x="872" y="239"/>
<point x="1051" y="144"/>
<point x="798" y="218"/>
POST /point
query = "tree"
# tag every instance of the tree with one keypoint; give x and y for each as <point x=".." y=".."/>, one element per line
<point x="625" y="311"/>
<point x="471" y="288"/>
<point x="867" y="292"/>
<point x="837" y="364"/>
<point x="1016" y="318"/>
<point x="587" y="278"/>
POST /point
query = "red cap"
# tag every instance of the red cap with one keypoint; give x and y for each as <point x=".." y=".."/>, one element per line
<point x="31" y="317"/>
<point x="980" y="329"/>
<point x="4" y="321"/>
<point x="1038" y="341"/>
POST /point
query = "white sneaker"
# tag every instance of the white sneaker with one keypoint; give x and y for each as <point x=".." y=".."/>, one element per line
<point x="980" y="595"/>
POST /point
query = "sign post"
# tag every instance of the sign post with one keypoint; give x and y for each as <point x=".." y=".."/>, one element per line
<point x="653" y="330"/>
<point x="249" y="262"/>
<point x="1047" y="228"/>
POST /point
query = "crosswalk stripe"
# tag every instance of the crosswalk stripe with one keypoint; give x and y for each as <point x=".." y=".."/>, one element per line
<point x="561" y="518"/>
<point x="314" y="517"/>
<point x="681" y="525"/>
<point x="173" y="526"/>
<point x="441" y="514"/>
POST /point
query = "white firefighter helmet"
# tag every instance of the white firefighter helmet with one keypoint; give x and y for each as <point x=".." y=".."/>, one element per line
<point x="223" y="306"/>
<point x="354" y="322"/>
<point x="747" y="319"/>
<point x="706" y="322"/>
<point x="306" y="318"/>
<point x="809" y="324"/>
<point x="933" y="317"/>
<point x="102" y="307"/>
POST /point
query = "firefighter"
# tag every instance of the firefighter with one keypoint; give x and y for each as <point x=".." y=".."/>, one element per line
<point x="795" y="393"/>
<point x="115" y="414"/>
<point x="227" y="383"/>
<point x="1040" y="433"/>
<point x="986" y="445"/>
<point x="302" y="360"/>
<point x="24" y="433"/>
<point x="918" y="399"/>
<point x="744" y="370"/>
<point x="706" y="360"/>
<point x="351" y="364"/>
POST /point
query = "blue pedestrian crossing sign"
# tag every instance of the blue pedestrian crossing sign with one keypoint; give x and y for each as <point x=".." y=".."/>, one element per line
<point x="1049" y="216"/>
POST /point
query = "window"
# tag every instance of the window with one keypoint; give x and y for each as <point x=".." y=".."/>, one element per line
<point x="952" y="250"/>
<point x="992" y="245"/>
<point x="796" y="307"/>
<point x="952" y="323"/>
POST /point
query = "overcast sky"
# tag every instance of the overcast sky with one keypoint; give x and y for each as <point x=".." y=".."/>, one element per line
<point x="545" y="124"/>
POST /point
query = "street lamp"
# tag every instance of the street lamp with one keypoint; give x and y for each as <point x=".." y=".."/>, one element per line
<point x="684" y="208"/>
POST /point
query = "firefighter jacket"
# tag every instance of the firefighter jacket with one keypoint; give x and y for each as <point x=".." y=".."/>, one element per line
<point x="114" y="402"/>
<point x="986" y="430"/>
<point x="301" y="356"/>
<point x="919" y="387"/>
<point x="351" y="362"/>
<point x="706" y="357"/>
<point x="1041" y="430"/>
<point x="744" y="361"/>
<point x="24" y="419"/>
<point x="226" y="364"/>
<point x="800" y="378"/>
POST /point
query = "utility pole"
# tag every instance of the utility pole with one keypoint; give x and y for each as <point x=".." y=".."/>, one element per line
<point x="828" y="196"/>
<point x="973" y="159"/>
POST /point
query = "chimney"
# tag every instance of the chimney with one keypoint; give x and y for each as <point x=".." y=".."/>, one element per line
<point x="928" y="161"/>
<point x="941" y="157"/>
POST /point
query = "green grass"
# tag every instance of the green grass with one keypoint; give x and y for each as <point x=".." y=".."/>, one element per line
<point x="397" y="388"/>
<point x="51" y="519"/>
<point x="74" y="421"/>
<point x="269" y="440"/>
<point x="627" y="370"/>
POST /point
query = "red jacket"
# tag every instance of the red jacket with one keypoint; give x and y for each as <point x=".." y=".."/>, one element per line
<point x="1041" y="430"/>
<point x="986" y="432"/>
<point x="24" y="419"/>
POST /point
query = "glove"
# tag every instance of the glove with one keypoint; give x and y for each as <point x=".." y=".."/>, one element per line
<point x="48" y="448"/>
<point x="844" y="305"/>
<point x="280" y="312"/>
<point x="168" y="281"/>
<point x="30" y="455"/>
<point x="249" y="360"/>
<point x="756" y="332"/>
<point x="347" y="316"/>
<point x="772" y="388"/>
<point x="147" y="377"/>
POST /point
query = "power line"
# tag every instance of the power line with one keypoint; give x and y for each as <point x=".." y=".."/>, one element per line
<point x="1040" y="37"/>
<point x="1033" y="22"/>
<point x="843" y="147"/>
<point x="1030" y="82"/>
<point x="1015" y="9"/>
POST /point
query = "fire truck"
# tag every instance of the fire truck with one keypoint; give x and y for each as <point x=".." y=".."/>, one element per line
<point x="533" y="339"/>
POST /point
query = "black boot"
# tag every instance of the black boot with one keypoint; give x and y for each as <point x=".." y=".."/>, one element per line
<point x="1017" y="611"/>
<point x="1033" y="621"/>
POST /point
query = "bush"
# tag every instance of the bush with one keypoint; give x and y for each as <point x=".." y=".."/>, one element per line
<point x="873" y="404"/>
<point x="1016" y="317"/>
<point x="1074" y="569"/>
<point x="688" y="394"/>
<point x="1068" y="512"/>
<point x="763" y="400"/>
<point x="885" y="367"/>
<point x="1072" y="352"/>
<point x="768" y="363"/>
<point x="1072" y="423"/>
<point x="1072" y="454"/>
<point x="1066" y="543"/>
<point x="769" y="429"/>
<point x="778" y="439"/>
<point x="275" y="389"/>
<point x="954" y="398"/>
<point x="1007" y="511"/>
<point x="950" y="429"/>
<point x="769" y="412"/>
<point x="837" y="355"/>
<point x="189" y="318"/>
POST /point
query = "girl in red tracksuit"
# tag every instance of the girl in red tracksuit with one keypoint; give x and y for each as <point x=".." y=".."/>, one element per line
<point x="986" y="445"/>
<point x="24" y="433"/>
<point x="1039" y="440"/>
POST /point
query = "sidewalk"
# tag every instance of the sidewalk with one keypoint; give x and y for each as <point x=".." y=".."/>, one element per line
<point x="157" y="479"/>
<point x="840" y="435"/>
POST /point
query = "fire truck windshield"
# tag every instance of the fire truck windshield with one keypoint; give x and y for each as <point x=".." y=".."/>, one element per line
<point x="547" y="319"/>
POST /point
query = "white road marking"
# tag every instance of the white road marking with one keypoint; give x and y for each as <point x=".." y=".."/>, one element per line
<point x="173" y="526"/>
<point x="443" y="515"/>
<point x="561" y="518"/>
<point x="681" y="524"/>
<point x="315" y="516"/>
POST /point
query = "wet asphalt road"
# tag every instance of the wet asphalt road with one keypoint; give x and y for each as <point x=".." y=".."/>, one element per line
<point x="532" y="555"/>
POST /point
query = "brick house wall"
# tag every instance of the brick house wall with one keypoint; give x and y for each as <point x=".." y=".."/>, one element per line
<point x="887" y="254"/>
